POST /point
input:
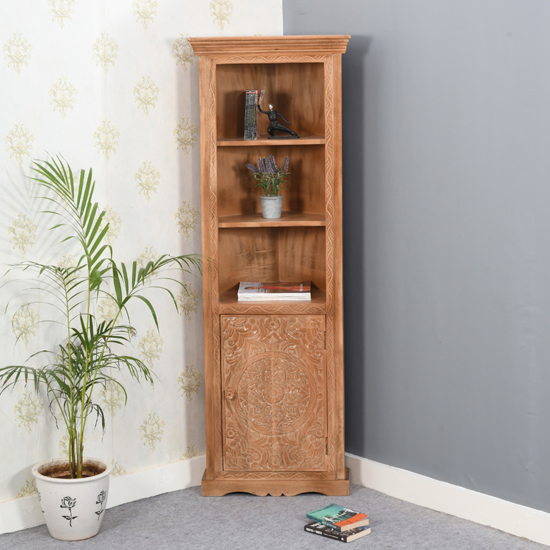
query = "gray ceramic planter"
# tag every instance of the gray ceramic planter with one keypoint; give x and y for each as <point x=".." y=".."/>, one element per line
<point x="272" y="206"/>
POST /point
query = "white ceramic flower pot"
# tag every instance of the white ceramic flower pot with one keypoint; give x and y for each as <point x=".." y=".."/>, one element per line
<point x="271" y="206"/>
<point x="73" y="508"/>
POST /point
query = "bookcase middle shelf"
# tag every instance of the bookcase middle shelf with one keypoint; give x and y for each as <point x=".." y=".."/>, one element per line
<point x="264" y="140"/>
<point x="287" y="219"/>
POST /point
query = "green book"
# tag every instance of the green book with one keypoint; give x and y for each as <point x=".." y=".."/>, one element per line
<point x="338" y="518"/>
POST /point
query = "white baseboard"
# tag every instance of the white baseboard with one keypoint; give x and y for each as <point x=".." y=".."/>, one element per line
<point x="451" y="499"/>
<point x="25" y="512"/>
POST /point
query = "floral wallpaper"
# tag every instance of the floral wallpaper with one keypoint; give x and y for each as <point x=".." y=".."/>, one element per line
<point x="111" y="86"/>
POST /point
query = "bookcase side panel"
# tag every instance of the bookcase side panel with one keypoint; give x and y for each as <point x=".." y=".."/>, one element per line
<point x="209" y="360"/>
<point x="329" y="262"/>
<point x="338" y="270"/>
<point x="214" y="457"/>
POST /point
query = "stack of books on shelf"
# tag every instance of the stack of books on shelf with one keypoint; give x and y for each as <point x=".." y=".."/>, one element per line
<point x="339" y="523"/>
<point x="251" y="115"/>
<point x="272" y="292"/>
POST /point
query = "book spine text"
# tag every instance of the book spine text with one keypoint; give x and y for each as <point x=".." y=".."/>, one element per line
<point x="325" y="534"/>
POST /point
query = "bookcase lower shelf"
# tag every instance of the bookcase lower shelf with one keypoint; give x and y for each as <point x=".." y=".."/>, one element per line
<point x="275" y="488"/>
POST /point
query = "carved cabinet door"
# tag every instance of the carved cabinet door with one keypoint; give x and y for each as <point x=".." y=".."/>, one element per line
<point x="274" y="393"/>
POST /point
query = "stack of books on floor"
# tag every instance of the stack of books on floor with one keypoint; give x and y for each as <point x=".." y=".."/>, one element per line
<point x="339" y="523"/>
<point x="272" y="292"/>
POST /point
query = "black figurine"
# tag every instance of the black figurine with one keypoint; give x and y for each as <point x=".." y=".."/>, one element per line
<point x="274" y="124"/>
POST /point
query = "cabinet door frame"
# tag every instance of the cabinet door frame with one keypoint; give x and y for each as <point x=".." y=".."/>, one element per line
<point x="274" y="393"/>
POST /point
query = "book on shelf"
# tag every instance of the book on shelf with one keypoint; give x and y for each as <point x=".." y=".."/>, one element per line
<point x="270" y="292"/>
<point x="346" y="536"/>
<point x="251" y="118"/>
<point x="338" y="518"/>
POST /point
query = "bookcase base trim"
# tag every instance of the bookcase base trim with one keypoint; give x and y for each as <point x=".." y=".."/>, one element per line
<point x="277" y="488"/>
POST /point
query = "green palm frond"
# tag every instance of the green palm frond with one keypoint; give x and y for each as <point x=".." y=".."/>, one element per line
<point x="87" y="357"/>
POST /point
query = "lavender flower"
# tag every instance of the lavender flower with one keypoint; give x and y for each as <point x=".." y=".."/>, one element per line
<point x="285" y="164"/>
<point x="271" y="165"/>
<point x="268" y="175"/>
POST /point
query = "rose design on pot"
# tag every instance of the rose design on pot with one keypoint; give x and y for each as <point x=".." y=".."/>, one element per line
<point x="101" y="501"/>
<point x="40" y="500"/>
<point x="69" y="503"/>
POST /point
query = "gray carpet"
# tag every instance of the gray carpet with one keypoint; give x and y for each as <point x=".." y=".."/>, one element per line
<point x="185" y="520"/>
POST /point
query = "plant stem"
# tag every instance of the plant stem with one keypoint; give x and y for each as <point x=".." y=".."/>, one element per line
<point x="85" y="416"/>
<point x="71" y="428"/>
<point x="80" y="449"/>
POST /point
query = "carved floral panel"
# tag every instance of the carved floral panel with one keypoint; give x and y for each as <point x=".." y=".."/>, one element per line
<point x="274" y="393"/>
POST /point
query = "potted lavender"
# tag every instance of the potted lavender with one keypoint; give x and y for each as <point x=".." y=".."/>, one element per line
<point x="270" y="178"/>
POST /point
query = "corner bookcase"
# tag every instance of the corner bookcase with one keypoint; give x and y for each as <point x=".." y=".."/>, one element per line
<point x="274" y="378"/>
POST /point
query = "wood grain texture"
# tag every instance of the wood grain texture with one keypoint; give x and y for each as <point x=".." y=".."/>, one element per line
<point x="214" y="445"/>
<point x="332" y="398"/>
<point x="247" y="255"/>
<point x="303" y="76"/>
<point x="302" y="255"/>
<point x="292" y="88"/>
<point x="209" y="361"/>
<point x="304" y="190"/>
<point x="338" y="273"/>
<point x="271" y="254"/>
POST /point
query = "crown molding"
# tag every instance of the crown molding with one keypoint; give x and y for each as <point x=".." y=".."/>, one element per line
<point x="323" y="44"/>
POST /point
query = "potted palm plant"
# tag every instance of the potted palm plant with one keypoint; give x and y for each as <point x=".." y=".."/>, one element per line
<point x="270" y="178"/>
<point x="73" y="493"/>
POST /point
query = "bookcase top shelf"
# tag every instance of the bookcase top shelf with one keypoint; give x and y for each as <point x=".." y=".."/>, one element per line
<point x="239" y="142"/>
<point x="287" y="219"/>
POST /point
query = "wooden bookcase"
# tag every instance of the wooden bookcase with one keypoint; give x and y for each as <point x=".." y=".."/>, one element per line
<point x="274" y="379"/>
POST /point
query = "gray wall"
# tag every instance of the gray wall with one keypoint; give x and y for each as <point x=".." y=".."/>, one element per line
<point x="446" y="232"/>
